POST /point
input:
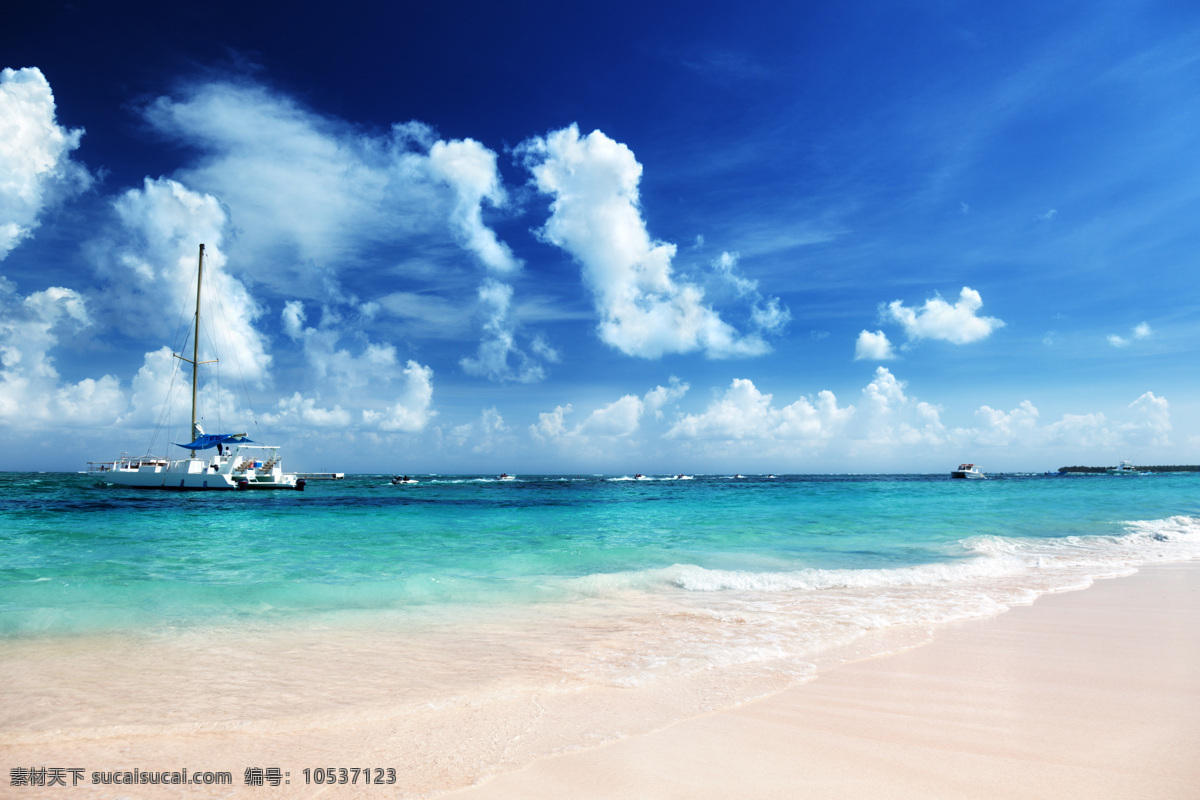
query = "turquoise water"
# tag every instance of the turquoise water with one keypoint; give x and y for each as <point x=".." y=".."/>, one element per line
<point x="80" y="557"/>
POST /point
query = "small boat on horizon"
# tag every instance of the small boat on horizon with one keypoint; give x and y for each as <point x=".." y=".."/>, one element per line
<point x="1126" y="468"/>
<point x="968" y="471"/>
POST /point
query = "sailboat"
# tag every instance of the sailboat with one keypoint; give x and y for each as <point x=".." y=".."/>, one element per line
<point x="238" y="463"/>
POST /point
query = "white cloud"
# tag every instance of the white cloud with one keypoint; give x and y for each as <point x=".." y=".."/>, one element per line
<point x="489" y="433"/>
<point x="32" y="395"/>
<point x="551" y="424"/>
<point x="745" y="413"/>
<point x="770" y="316"/>
<point x="1148" y="425"/>
<point x="498" y="346"/>
<point x="766" y="313"/>
<point x="412" y="410"/>
<point x="293" y="318"/>
<point x="1090" y="431"/>
<point x="348" y="192"/>
<point x="937" y="319"/>
<point x="596" y="217"/>
<point x="725" y="266"/>
<point x="1152" y="420"/>
<point x="619" y="419"/>
<point x="342" y="188"/>
<point x="889" y="417"/>
<point x="659" y="396"/>
<point x="999" y="428"/>
<point x="354" y="379"/>
<point x="299" y="411"/>
<point x="36" y="169"/>
<point x="1140" y="331"/>
<point x="149" y="264"/>
<point x="470" y="169"/>
<point x="873" y="346"/>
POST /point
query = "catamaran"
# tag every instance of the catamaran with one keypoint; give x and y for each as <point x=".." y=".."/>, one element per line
<point x="239" y="463"/>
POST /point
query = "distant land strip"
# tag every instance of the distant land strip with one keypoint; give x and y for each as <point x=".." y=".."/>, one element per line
<point x="1099" y="470"/>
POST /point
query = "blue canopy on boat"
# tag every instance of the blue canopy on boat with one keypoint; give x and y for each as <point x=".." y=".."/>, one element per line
<point x="207" y="440"/>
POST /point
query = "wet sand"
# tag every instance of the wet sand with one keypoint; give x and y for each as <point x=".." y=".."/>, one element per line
<point x="1092" y="693"/>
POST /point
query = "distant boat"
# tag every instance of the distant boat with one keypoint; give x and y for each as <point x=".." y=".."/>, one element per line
<point x="504" y="476"/>
<point x="238" y="464"/>
<point x="968" y="471"/>
<point x="399" y="479"/>
<point x="1126" y="468"/>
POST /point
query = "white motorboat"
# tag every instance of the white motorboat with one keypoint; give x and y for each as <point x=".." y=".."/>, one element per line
<point x="239" y="463"/>
<point x="968" y="471"/>
<point x="1126" y="468"/>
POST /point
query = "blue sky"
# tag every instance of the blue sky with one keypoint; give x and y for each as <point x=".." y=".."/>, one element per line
<point x="745" y="237"/>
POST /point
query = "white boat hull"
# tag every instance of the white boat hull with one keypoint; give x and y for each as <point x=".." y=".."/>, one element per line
<point x="968" y="472"/>
<point x="238" y="470"/>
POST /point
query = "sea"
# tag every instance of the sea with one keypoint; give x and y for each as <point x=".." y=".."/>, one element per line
<point x="484" y="622"/>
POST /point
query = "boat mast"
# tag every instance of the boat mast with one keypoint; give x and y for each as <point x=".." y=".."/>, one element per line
<point x="196" y="344"/>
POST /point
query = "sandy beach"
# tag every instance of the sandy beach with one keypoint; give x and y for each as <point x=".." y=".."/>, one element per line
<point x="1092" y="693"/>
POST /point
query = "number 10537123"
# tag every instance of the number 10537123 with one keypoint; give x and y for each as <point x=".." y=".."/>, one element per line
<point x="359" y="775"/>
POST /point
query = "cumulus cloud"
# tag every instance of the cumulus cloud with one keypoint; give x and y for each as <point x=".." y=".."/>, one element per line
<point x="36" y="169"/>
<point x="645" y="310"/>
<point x="618" y="419"/>
<point x="999" y="428"/>
<point x="412" y="410"/>
<point x="551" y="424"/>
<point x="149" y="266"/>
<point x="937" y="319"/>
<point x="347" y="191"/>
<point x="659" y="396"/>
<point x="32" y="394"/>
<point x="488" y="434"/>
<point x="890" y="417"/>
<point x="1139" y="332"/>
<point x="888" y="421"/>
<point x="1152" y="419"/>
<point x="745" y="413"/>
<point x="298" y="410"/>
<point x="873" y="347"/>
<point x="349" y="377"/>
<point x="1148" y="423"/>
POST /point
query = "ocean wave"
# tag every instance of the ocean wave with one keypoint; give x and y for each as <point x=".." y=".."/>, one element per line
<point x="982" y="557"/>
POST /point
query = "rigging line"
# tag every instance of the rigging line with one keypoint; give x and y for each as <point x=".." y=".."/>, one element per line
<point x="183" y="330"/>
<point x="168" y="406"/>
